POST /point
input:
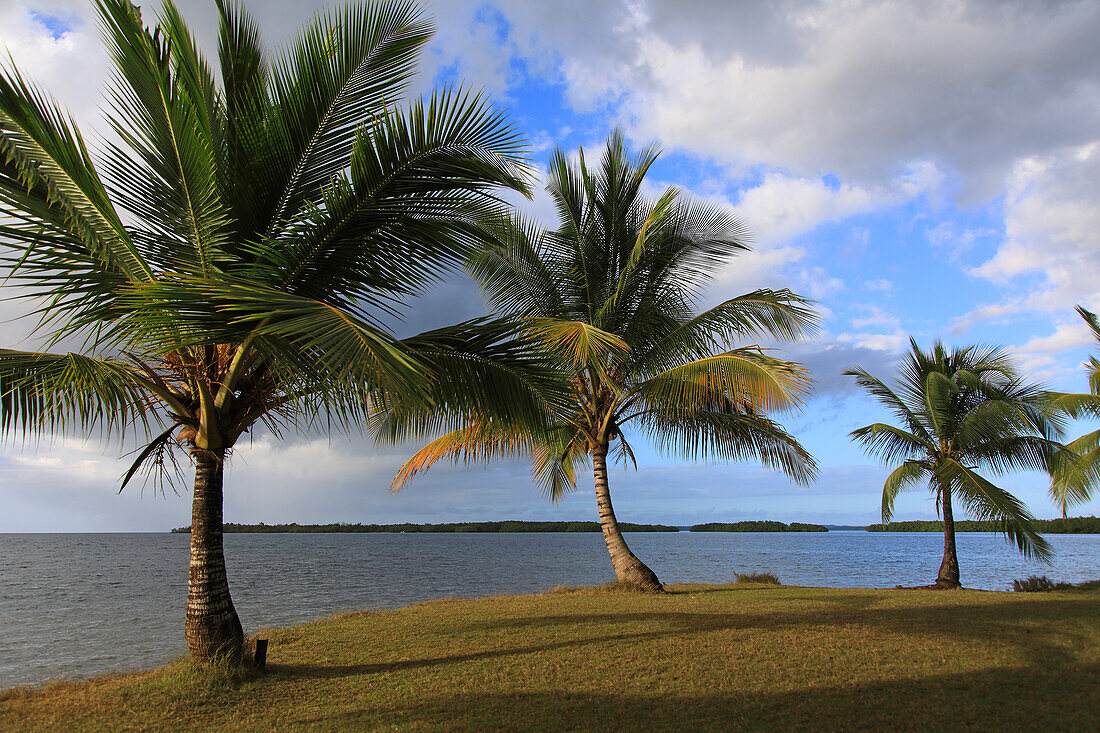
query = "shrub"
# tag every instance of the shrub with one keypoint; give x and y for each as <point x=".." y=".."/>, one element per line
<point x="762" y="578"/>
<point x="1042" y="584"/>
<point x="1034" y="584"/>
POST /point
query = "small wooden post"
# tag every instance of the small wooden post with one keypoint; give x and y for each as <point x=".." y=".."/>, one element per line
<point x="261" y="654"/>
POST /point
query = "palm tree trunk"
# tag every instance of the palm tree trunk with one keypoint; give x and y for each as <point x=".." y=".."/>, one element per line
<point x="949" y="568"/>
<point x="213" y="628"/>
<point x="628" y="568"/>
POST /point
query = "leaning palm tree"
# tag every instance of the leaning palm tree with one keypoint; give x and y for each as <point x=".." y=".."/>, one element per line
<point x="1074" y="482"/>
<point x="252" y="234"/>
<point x="612" y="293"/>
<point x="962" y="411"/>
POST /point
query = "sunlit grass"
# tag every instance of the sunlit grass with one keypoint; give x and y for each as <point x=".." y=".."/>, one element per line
<point x="743" y="656"/>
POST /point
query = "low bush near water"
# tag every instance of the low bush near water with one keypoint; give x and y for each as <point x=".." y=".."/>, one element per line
<point x="761" y="578"/>
<point x="1043" y="584"/>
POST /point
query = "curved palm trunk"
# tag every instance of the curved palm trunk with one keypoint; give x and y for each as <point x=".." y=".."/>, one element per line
<point x="628" y="568"/>
<point x="213" y="628"/>
<point x="949" y="568"/>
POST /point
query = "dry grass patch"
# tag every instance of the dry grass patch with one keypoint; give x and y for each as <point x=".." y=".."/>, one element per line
<point x="738" y="656"/>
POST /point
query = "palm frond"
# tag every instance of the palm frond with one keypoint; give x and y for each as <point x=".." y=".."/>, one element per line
<point x="167" y="110"/>
<point x="343" y="71"/>
<point x="729" y="436"/>
<point x="44" y="154"/>
<point x="747" y="378"/>
<point x="44" y="394"/>
<point x="901" y="478"/>
<point x="478" y="443"/>
<point x="892" y="444"/>
<point x="901" y="409"/>
<point x="419" y="188"/>
<point x="986" y="501"/>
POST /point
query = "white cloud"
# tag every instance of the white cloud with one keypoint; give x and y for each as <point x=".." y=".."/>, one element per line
<point x="882" y="285"/>
<point x="784" y="206"/>
<point x="1066" y="337"/>
<point x="819" y="284"/>
<point x="892" y="342"/>
<point x="875" y="317"/>
<point x="1050" y="259"/>
<point x="853" y="88"/>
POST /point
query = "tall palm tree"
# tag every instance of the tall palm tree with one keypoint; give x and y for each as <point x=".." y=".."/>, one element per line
<point x="962" y="411"/>
<point x="1074" y="483"/>
<point x="251" y="235"/>
<point x="613" y="293"/>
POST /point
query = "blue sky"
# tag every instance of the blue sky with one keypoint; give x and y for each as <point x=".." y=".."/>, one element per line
<point x="926" y="168"/>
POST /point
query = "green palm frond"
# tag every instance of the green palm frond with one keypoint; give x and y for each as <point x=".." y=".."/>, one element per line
<point x="891" y="443"/>
<point x="778" y="314"/>
<point x="343" y="71"/>
<point x="729" y="436"/>
<point x="167" y="111"/>
<point x="419" y="188"/>
<point x="901" y="478"/>
<point x="46" y="394"/>
<point x="986" y="501"/>
<point x="1077" y="471"/>
<point x="555" y="457"/>
<point x="514" y="272"/>
<point x="43" y="154"/>
<point x="902" y="410"/>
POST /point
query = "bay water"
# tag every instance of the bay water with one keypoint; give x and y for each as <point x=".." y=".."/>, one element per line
<point x="76" y="605"/>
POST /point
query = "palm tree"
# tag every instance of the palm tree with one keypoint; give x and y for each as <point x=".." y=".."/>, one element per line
<point x="962" y="411"/>
<point x="252" y="234"/>
<point x="1074" y="483"/>
<point x="612" y="292"/>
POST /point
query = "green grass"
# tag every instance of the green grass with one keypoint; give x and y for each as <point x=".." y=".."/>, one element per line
<point x="702" y="657"/>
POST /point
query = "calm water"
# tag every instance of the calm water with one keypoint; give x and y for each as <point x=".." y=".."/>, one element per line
<point x="77" y="605"/>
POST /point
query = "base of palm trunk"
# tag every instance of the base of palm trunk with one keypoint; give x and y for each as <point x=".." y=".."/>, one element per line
<point x="636" y="574"/>
<point x="209" y="639"/>
<point x="947" y="585"/>
<point x="212" y="628"/>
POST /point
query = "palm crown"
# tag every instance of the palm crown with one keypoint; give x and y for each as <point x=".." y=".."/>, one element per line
<point x="963" y="411"/>
<point x="252" y="233"/>
<point x="1074" y="481"/>
<point x="238" y="260"/>
<point x="613" y="292"/>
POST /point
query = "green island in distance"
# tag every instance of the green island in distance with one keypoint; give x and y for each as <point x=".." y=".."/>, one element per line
<point x="509" y="526"/>
<point x="1072" y="525"/>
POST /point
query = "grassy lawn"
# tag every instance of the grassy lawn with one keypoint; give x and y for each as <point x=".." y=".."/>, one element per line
<point x="735" y="657"/>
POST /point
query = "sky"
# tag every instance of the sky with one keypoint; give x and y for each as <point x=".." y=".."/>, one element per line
<point x="926" y="169"/>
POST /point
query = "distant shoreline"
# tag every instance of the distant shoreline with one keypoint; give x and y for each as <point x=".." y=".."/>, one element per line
<point x="443" y="528"/>
<point x="502" y="527"/>
<point x="1072" y="525"/>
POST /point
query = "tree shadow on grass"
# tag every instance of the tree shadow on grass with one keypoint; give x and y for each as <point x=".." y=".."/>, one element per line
<point x="1010" y="624"/>
<point x="1013" y="699"/>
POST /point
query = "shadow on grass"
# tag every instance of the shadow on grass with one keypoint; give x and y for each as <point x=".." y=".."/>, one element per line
<point x="1010" y="624"/>
<point x="1016" y="699"/>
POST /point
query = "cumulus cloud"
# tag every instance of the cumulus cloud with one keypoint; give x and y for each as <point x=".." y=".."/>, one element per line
<point x="854" y="88"/>
<point x="783" y="207"/>
<point x="1052" y="225"/>
<point x="1049" y="260"/>
<point x="891" y="342"/>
